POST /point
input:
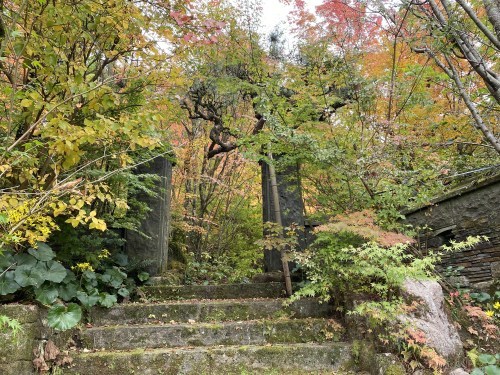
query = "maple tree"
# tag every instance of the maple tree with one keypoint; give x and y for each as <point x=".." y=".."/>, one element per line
<point x="404" y="126"/>
<point x="460" y="38"/>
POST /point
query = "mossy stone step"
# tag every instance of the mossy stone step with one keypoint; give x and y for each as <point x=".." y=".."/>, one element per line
<point x="222" y="291"/>
<point x="291" y="359"/>
<point x="257" y="332"/>
<point x="208" y="311"/>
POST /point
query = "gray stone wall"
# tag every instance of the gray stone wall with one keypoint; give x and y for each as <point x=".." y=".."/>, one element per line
<point x="151" y="246"/>
<point x="16" y="352"/>
<point x="291" y="205"/>
<point x="471" y="210"/>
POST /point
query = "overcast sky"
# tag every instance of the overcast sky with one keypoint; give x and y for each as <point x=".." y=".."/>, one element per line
<point x="275" y="13"/>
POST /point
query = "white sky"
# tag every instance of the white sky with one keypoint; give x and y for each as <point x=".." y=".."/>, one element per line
<point x="275" y="13"/>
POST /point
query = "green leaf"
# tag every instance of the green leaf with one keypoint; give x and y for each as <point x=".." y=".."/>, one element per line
<point x="143" y="276"/>
<point x="117" y="277"/>
<point x="4" y="219"/>
<point x="70" y="277"/>
<point x="8" y="284"/>
<point x="89" y="275"/>
<point x="104" y="278"/>
<point x="55" y="272"/>
<point x="43" y="252"/>
<point x="90" y="285"/>
<point x="46" y="294"/>
<point x="26" y="275"/>
<point x="492" y="370"/>
<point x="480" y="297"/>
<point x="67" y="291"/>
<point x="107" y="300"/>
<point x="121" y="259"/>
<point x="25" y="260"/>
<point x="487" y="359"/>
<point x="477" y="371"/>
<point x="124" y="292"/>
<point x="88" y="300"/>
<point x="6" y="260"/>
<point x="26" y="103"/>
<point x="62" y="317"/>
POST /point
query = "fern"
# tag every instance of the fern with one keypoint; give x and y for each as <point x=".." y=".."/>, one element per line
<point x="10" y="325"/>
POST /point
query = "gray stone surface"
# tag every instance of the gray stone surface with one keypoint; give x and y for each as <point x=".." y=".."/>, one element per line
<point x="459" y="371"/>
<point x="495" y="270"/>
<point x="259" y="332"/>
<point x="16" y="352"/>
<point x="151" y="247"/>
<point x="290" y="359"/>
<point x="257" y="290"/>
<point x="292" y="207"/>
<point x="432" y="319"/>
<point x="469" y="211"/>
<point x="388" y="364"/>
<point x="208" y="311"/>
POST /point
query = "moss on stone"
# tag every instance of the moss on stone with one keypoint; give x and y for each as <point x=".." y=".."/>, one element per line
<point x="389" y="364"/>
<point x="395" y="370"/>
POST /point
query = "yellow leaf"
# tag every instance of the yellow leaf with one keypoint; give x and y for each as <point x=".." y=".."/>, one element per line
<point x="13" y="202"/>
<point x="26" y="103"/>
<point x="97" y="224"/>
<point x="73" y="222"/>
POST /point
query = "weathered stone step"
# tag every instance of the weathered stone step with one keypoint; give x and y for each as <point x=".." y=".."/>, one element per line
<point x="257" y="332"/>
<point x="208" y="311"/>
<point x="291" y="359"/>
<point x="222" y="291"/>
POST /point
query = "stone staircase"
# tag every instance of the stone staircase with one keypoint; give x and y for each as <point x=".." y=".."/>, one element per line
<point x="223" y="329"/>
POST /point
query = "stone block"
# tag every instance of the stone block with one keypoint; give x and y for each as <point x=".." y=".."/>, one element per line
<point x="432" y="319"/>
<point x="290" y="359"/>
<point x="151" y="247"/>
<point x="16" y="351"/>
<point x="495" y="270"/>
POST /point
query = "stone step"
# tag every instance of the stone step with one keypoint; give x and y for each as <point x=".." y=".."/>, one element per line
<point x="208" y="311"/>
<point x="256" y="332"/>
<point x="290" y="359"/>
<point x="222" y="291"/>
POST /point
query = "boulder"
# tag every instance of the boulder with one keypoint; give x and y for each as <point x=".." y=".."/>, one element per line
<point x="432" y="319"/>
<point x="459" y="371"/>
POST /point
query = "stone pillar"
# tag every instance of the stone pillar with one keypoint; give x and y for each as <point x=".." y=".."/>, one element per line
<point x="291" y="205"/>
<point x="151" y="245"/>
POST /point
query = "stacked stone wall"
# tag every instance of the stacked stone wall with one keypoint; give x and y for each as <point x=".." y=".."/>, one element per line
<point x="471" y="211"/>
<point x="16" y="351"/>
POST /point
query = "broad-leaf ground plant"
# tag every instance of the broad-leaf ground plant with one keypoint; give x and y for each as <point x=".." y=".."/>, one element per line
<point x="38" y="275"/>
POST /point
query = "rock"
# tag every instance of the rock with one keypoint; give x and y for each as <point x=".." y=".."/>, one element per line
<point x="459" y="371"/>
<point x="495" y="270"/>
<point x="432" y="319"/>
<point x="268" y="277"/>
<point x="149" y="245"/>
<point x="388" y="364"/>
<point x="459" y="281"/>
<point x="483" y="286"/>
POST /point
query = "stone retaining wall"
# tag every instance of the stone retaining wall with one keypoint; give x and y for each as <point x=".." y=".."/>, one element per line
<point x="16" y="352"/>
<point x="468" y="211"/>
